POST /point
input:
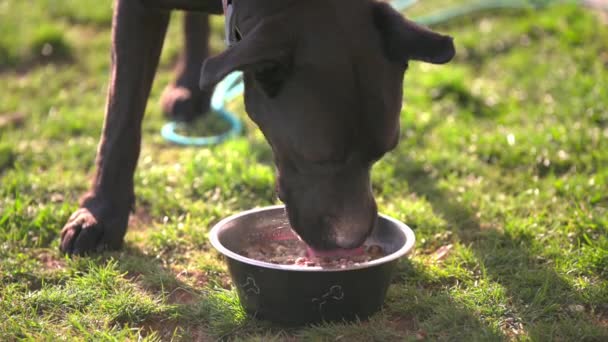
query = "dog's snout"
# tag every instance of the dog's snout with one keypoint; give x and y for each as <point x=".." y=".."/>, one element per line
<point x="339" y="227"/>
<point x="351" y="229"/>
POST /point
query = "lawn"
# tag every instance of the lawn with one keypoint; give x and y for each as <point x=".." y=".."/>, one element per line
<point x="502" y="171"/>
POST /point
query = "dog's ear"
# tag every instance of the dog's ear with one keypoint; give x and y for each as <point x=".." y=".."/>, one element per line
<point x="404" y="40"/>
<point x="265" y="50"/>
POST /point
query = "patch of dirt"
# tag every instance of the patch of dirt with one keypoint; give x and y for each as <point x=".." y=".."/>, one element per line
<point x="599" y="6"/>
<point x="166" y="329"/>
<point x="201" y="279"/>
<point x="51" y="261"/>
<point x="603" y="316"/>
<point x="182" y="296"/>
<point x="405" y="325"/>
<point x="11" y="119"/>
<point x="133" y="276"/>
<point x="163" y="328"/>
<point x="198" y="334"/>
<point x="512" y="327"/>
<point x="57" y="197"/>
<point x="442" y="252"/>
<point x="140" y="220"/>
<point x="196" y="278"/>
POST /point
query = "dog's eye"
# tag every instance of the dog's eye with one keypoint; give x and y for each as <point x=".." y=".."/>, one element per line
<point x="271" y="76"/>
<point x="270" y="79"/>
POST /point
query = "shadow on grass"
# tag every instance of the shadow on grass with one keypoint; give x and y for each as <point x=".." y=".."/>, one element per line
<point x="431" y="311"/>
<point x="185" y="310"/>
<point x="538" y="295"/>
<point x="23" y="65"/>
<point x="203" y="309"/>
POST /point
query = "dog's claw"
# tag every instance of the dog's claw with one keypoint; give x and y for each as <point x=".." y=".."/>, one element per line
<point x="83" y="234"/>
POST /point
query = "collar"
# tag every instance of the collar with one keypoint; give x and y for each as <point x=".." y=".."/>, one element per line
<point x="232" y="32"/>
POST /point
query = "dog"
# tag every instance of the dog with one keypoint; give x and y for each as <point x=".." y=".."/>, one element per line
<point x="323" y="81"/>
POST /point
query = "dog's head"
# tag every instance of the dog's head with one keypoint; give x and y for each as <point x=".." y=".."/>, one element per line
<point x="323" y="80"/>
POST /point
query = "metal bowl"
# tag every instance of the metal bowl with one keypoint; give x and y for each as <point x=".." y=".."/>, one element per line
<point x="292" y="294"/>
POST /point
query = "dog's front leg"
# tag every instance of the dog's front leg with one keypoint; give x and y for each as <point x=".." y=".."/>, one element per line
<point x="101" y="222"/>
<point x="183" y="100"/>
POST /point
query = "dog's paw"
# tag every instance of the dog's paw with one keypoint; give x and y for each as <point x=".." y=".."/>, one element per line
<point x="84" y="234"/>
<point x="183" y="104"/>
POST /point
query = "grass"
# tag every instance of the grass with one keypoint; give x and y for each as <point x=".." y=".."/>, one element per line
<point x="501" y="171"/>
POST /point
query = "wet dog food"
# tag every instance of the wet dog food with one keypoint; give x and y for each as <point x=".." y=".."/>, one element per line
<point x="294" y="252"/>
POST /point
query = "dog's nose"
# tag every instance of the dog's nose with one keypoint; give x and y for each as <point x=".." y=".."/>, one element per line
<point x="350" y="231"/>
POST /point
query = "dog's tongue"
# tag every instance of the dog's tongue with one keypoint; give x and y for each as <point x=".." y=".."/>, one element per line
<point x="336" y="253"/>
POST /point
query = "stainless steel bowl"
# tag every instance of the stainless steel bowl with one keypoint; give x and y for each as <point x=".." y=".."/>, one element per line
<point x="297" y="295"/>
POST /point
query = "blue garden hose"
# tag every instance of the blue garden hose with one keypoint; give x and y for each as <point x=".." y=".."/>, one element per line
<point x="450" y="13"/>
<point x="232" y="86"/>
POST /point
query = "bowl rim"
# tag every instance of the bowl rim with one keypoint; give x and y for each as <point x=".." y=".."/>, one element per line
<point x="410" y="239"/>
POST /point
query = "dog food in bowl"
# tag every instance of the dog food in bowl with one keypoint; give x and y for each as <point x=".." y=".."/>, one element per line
<point x="294" y="252"/>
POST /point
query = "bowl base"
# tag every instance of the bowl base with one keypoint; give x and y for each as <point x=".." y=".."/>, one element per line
<point x="281" y="321"/>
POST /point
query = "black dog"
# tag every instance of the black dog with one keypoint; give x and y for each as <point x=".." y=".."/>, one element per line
<point x="323" y="80"/>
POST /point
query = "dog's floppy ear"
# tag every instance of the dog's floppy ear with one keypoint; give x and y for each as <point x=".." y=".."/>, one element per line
<point x="404" y="40"/>
<point x="265" y="50"/>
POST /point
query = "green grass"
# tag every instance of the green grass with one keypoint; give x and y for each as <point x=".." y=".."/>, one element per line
<point x="502" y="161"/>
